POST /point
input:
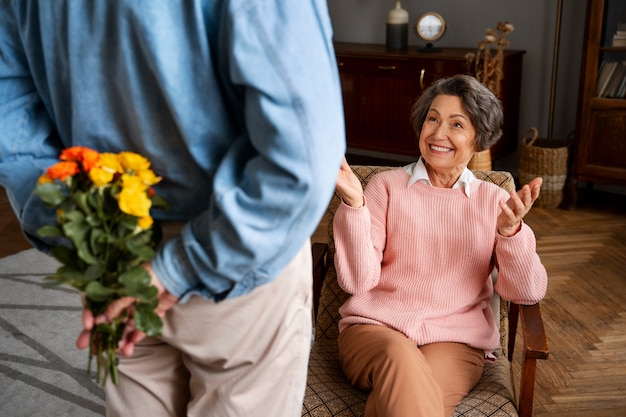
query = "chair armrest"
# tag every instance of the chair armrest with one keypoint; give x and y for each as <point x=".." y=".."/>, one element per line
<point x="319" y="251"/>
<point x="533" y="332"/>
<point x="535" y="346"/>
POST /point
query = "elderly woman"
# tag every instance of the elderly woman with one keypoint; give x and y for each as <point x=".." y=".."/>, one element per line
<point x="415" y="251"/>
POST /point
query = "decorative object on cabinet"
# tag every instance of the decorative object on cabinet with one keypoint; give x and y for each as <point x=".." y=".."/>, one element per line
<point x="397" y="28"/>
<point x="488" y="69"/>
<point x="430" y="26"/>
<point x="547" y="159"/>
<point x="379" y="87"/>
<point x="600" y="154"/>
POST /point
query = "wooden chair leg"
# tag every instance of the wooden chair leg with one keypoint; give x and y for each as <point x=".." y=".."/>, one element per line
<point x="535" y="346"/>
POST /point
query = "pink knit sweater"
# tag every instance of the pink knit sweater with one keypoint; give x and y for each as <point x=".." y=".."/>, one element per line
<point x="418" y="259"/>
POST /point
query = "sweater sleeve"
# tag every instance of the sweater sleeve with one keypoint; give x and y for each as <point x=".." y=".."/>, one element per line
<point x="522" y="278"/>
<point x="359" y="235"/>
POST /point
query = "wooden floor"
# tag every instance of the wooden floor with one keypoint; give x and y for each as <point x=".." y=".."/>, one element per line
<point x="584" y="251"/>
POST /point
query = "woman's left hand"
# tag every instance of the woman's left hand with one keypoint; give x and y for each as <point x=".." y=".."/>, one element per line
<point x="516" y="207"/>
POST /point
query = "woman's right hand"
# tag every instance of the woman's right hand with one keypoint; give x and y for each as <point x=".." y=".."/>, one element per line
<point x="349" y="186"/>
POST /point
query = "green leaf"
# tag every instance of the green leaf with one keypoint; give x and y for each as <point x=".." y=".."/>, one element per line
<point x="93" y="272"/>
<point x="68" y="276"/>
<point x="80" y="198"/>
<point x="77" y="231"/>
<point x="147" y="320"/>
<point x="50" y="231"/>
<point x="160" y="203"/>
<point x="93" y="219"/>
<point x="136" y="282"/>
<point x="73" y="216"/>
<point x="97" y="292"/>
<point x="84" y="253"/>
<point x="65" y="255"/>
<point x="127" y="224"/>
<point x="97" y="241"/>
<point x="144" y="252"/>
<point x="94" y="200"/>
<point x="51" y="193"/>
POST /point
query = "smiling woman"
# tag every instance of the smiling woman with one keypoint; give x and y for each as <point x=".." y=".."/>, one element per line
<point x="447" y="141"/>
<point x="406" y="309"/>
<point x="452" y="126"/>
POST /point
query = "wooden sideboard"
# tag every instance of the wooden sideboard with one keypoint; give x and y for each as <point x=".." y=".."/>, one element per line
<point x="379" y="87"/>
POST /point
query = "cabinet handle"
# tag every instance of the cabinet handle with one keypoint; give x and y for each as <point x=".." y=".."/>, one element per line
<point x="422" y="73"/>
<point x="387" y="67"/>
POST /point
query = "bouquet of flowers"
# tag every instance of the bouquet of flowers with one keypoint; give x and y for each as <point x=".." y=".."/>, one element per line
<point x="103" y="203"/>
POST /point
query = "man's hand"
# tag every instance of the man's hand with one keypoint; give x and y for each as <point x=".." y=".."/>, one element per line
<point x="131" y="335"/>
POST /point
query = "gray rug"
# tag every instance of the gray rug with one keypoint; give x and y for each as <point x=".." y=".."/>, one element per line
<point x="42" y="373"/>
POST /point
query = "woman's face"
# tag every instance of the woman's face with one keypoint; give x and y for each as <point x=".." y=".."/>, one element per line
<point x="448" y="137"/>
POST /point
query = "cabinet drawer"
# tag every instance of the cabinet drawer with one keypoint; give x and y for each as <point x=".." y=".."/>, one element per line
<point x="382" y="67"/>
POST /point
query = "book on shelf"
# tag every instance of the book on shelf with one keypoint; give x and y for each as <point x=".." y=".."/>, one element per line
<point x="621" y="90"/>
<point x="611" y="81"/>
<point x="605" y="72"/>
<point x="619" y="40"/>
<point x="613" y="85"/>
<point x="619" y="37"/>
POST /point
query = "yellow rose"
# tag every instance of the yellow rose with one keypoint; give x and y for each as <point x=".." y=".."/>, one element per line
<point x="44" y="179"/>
<point x="100" y="176"/>
<point x="145" y="222"/>
<point x="134" y="201"/>
<point x="110" y="162"/>
<point x="148" y="177"/>
<point x="133" y="182"/>
<point x="133" y="161"/>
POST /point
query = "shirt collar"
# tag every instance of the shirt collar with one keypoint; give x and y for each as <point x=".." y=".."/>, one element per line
<point x="417" y="172"/>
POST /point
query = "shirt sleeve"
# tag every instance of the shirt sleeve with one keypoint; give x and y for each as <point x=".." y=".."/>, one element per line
<point x="28" y="144"/>
<point x="276" y="180"/>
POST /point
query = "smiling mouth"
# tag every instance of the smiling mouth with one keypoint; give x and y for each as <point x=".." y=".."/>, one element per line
<point x="440" y="148"/>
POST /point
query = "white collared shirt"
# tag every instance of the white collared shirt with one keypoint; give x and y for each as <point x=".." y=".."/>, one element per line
<point x="417" y="172"/>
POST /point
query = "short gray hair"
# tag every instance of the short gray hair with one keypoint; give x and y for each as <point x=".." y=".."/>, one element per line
<point x="482" y="106"/>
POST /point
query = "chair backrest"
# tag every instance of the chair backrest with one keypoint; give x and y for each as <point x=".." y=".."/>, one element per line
<point x="332" y="296"/>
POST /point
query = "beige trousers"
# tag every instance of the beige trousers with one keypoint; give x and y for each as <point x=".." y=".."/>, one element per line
<point x="404" y="380"/>
<point x="237" y="358"/>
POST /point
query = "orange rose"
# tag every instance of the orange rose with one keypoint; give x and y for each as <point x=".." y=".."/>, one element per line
<point x="87" y="157"/>
<point x="62" y="170"/>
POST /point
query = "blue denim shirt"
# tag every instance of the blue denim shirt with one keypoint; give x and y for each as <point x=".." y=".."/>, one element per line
<point x="236" y="103"/>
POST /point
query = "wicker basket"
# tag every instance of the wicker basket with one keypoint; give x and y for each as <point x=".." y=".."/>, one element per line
<point x="545" y="158"/>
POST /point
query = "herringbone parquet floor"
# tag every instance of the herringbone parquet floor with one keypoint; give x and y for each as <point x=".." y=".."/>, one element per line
<point x="584" y="251"/>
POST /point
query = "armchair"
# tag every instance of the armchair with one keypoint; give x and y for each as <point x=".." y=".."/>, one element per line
<point x="329" y="393"/>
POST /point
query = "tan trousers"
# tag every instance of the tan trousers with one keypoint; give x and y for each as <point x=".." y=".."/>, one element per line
<point x="241" y="357"/>
<point x="404" y="380"/>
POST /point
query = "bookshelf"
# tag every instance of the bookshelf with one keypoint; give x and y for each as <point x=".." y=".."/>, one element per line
<point x="600" y="154"/>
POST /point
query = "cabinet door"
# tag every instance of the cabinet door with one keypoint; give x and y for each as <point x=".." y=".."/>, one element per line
<point x="604" y="153"/>
<point x="378" y="95"/>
